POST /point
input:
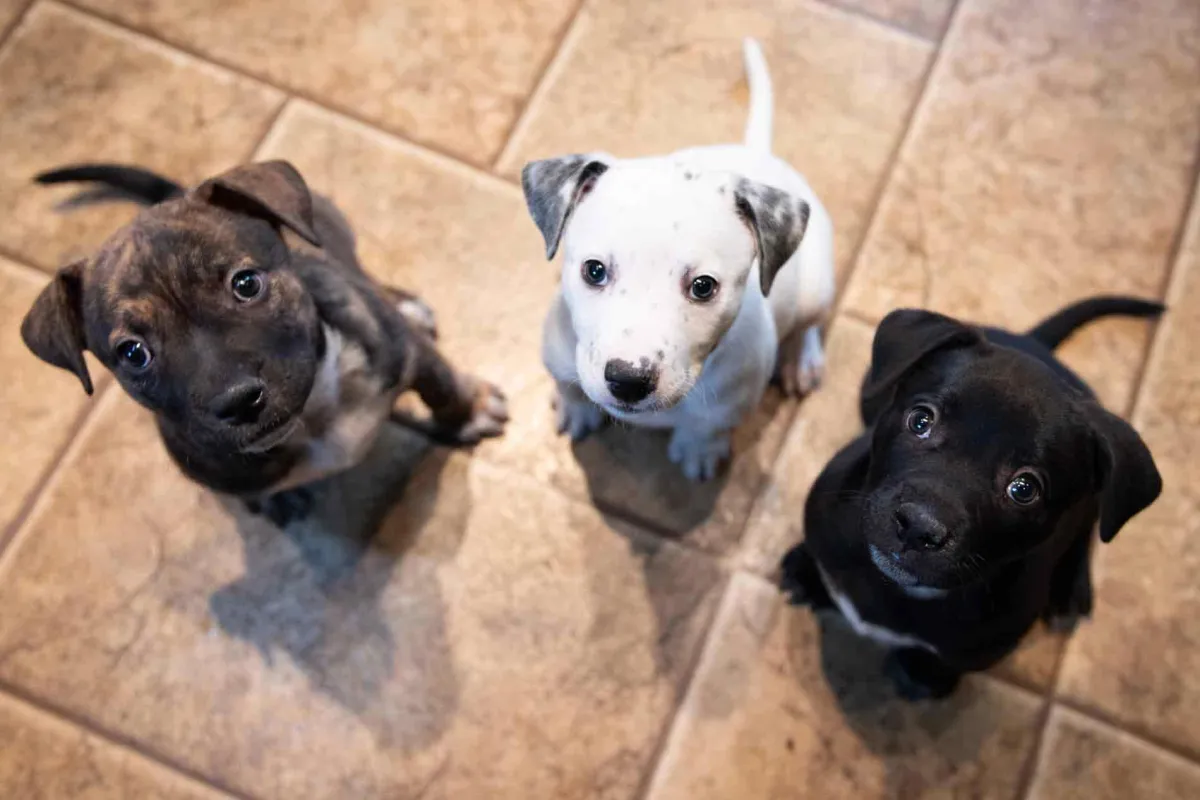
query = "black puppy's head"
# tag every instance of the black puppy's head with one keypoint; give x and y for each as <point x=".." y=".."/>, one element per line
<point x="980" y="454"/>
<point x="195" y="308"/>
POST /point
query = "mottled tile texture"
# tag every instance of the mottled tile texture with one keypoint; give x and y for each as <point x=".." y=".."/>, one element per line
<point x="536" y="619"/>
<point x="75" y="90"/>
<point x="453" y="73"/>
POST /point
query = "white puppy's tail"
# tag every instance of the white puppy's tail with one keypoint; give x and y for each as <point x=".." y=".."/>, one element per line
<point x="762" y="101"/>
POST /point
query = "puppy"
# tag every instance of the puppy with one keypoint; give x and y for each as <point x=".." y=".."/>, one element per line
<point x="686" y="280"/>
<point x="238" y="313"/>
<point x="965" y="512"/>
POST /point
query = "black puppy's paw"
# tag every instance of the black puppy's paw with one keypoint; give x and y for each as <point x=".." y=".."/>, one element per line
<point x="284" y="508"/>
<point x="801" y="580"/>
<point x="920" y="675"/>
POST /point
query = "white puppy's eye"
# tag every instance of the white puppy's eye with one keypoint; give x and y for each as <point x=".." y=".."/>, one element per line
<point x="703" y="289"/>
<point x="594" y="273"/>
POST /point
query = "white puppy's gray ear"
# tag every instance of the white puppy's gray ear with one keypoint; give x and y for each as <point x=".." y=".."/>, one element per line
<point x="553" y="187"/>
<point x="778" y="220"/>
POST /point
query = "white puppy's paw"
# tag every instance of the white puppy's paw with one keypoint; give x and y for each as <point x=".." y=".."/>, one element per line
<point x="811" y="368"/>
<point x="578" y="417"/>
<point x="699" y="455"/>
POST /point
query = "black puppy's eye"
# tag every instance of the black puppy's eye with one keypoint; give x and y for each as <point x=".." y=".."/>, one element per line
<point x="135" y="354"/>
<point x="247" y="284"/>
<point x="920" y="420"/>
<point x="703" y="288"/>
<point x="1024" y="489"/>
<point x="595" y="273"/>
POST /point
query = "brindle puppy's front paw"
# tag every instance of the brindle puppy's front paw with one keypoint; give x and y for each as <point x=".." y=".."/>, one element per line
<point x="489" y="413"/>
<point x="419" y="315"/>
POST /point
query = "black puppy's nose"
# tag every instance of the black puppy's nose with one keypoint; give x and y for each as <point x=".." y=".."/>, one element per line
<point x="919" y="528"/>
<point x="628" y="383"/>
<point x="241" y="403"/>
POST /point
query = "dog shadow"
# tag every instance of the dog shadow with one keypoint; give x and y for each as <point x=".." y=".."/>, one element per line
<point x="924" y="745"/>
<point x="629" y="472"/>
<point x="337" y="593"/>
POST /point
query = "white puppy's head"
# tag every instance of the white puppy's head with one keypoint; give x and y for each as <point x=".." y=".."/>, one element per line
<point x="656" y="259"/>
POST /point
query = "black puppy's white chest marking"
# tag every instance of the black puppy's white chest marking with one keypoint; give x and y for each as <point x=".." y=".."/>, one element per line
<point x="868" y="630"/>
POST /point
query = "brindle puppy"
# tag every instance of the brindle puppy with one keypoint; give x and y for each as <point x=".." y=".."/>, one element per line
<point x="238" y="313"/>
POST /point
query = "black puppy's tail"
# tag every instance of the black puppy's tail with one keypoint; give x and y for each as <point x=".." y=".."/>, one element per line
<point x="1052" y="331"/>
<point x="141" y="183"/>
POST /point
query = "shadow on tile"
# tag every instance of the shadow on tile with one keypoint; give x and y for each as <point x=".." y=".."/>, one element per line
<point x="893" y="729"/>
<point x="627" y="468"/>
<point x="313" y="591"/>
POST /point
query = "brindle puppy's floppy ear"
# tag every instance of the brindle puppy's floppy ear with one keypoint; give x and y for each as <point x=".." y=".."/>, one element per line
<point x="778" y="220"/>
<point x="1126" y="476"/>
<point x="554" y="186"/>
<point x="272" y="190"/>
<point x="903" y="338"/>
<point x="53" y="328"/>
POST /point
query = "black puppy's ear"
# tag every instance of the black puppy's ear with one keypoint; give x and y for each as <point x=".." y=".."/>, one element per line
<point x="272" y="190"/>
<point x="778" y="220"/>
<point x="902" y="339"/>
<point x="1127" y="478"/>
<point x="553" y="187"/>
<point x="53" y="328"/>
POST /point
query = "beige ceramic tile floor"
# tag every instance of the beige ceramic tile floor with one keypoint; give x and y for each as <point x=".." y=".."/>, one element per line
<point x="535" y="620"/>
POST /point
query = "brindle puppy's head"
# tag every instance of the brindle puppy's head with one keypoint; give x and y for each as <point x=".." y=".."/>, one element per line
<point x="196" y="310"/>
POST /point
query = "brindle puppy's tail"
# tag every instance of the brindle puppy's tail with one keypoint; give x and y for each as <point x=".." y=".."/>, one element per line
<point x="140" y="184"/>
<point x="1055" y="329"/>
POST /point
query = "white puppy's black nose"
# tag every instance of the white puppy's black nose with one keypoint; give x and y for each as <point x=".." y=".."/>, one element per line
<point x="629" y="383"/>
<point x="241" y="403"/>
<point x="918" y="527"/>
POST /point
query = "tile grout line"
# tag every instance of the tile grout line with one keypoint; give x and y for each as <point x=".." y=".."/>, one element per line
<point x="1172" y="276"/>
<point x="269" y="128"/>
<point x="292" y="93"/>
<point x="52" y="470"/>
<point x="116" y="738"/>
<point x="1145" y="737"/>
<point x="548" y="70"/>
<point x="886" y="24"/>
<point x="7" y="32"/>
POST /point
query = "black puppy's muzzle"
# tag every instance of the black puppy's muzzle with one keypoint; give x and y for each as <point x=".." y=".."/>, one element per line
<point x="919" y="527"/>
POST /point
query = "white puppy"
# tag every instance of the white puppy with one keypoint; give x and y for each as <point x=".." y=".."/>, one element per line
<point x="687" y="279"/>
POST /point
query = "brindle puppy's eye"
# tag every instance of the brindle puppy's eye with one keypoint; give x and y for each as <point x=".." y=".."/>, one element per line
<point x="594" y="273"/>
<point x="247" y="284"/>
<point x="703" y="289"/>
<point x="920" y="420"/>
<point x="1024" y="489"/>
<point x="134" y="354"/>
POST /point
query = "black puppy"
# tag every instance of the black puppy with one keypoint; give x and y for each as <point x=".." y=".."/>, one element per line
<point x="965" y="512"/>
<point x="238" y="313"/>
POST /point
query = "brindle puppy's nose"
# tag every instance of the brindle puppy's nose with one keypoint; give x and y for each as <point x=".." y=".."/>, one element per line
<point x="918" y="528"/>
<point x="628" y="383"/>
<point x="241" y="403"/>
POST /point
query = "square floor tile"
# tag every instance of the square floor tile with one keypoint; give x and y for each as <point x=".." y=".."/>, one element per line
<point x="45" y="757"/>
<point x="464" y="241"/>
<point x="647" y="78"/>
<point x="453" y="74"/>
<point x="1085" y="760"/>
<point x="1051" y="160"/>
<point x="782" y="707"/>
<point x="41" y="402"/>
<point x="926" y="18"/>
<point x="490" y="639"/>
<point x="1137" y="658"/>
<point x="74" y="90"/>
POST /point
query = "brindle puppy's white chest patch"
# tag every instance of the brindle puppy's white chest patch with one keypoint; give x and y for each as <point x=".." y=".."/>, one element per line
<point x="343" y="414"/>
